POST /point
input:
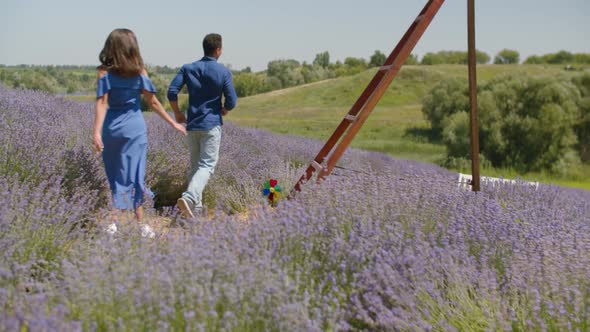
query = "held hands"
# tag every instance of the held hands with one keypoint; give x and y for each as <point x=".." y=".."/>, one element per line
<point x="180" y="128"/>
<point x="180" y="117"/>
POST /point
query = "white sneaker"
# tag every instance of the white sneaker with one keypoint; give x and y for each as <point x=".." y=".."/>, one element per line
<point x="147" y="231"/>
<point x="185" y="207"/>
<point x="112" y="229"/>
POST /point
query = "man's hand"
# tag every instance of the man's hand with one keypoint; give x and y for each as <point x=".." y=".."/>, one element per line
<point x="224" y="112"/>
<point x="180" y="118"/>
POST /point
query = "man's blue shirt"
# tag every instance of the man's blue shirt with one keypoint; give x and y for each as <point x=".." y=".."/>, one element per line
<point x="206" y="81"/>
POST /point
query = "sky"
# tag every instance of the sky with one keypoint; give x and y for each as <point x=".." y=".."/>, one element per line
<point x="61" y="32"/>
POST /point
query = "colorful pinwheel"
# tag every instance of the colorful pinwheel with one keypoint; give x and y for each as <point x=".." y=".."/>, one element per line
<point x="272" y="191"/>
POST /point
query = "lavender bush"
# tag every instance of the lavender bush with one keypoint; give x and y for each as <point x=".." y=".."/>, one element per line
<point x="381" y="245"/>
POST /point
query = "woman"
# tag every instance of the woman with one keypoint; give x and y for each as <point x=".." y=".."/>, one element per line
<point x="120" y="132"/>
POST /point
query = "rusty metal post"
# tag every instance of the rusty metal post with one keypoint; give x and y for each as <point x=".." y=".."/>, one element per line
<point x="473" y="122"/>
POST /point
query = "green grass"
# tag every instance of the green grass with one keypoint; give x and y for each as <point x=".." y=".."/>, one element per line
<point x="396" y="126"/>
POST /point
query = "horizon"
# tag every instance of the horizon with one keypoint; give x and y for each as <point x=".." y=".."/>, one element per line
<point x="40" y="33"/>
<point x="367" y="58"/>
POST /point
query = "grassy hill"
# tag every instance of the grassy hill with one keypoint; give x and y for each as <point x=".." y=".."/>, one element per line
<point x="396" y="126"/>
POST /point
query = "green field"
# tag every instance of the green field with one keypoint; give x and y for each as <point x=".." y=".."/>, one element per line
<point x="396" y="126"/>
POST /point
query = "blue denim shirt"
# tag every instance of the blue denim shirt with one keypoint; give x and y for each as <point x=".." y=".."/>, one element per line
<point x="206" y="81"/>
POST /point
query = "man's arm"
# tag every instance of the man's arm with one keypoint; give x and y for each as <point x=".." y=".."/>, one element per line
<point x="229" y="92"/>
<point x="178" y="115"/>
<point x="175" y="87"/>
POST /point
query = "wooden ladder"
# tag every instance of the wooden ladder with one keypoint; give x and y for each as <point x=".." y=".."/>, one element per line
<point x="360" y="111"/>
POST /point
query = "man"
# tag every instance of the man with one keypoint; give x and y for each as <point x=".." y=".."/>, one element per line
<point x="207" y="82"/>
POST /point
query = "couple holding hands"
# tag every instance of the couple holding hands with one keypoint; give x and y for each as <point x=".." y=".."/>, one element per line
<point x="119" y="127"/>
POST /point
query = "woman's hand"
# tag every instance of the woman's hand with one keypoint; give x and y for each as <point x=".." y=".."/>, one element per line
<point x="180" y="128"/>
<point x="97" y="143"/>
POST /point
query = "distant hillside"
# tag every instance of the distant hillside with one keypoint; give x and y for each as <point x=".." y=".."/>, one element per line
<point x="314" y="110"/>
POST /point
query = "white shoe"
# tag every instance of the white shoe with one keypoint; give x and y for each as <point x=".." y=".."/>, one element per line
<point x="185" y="207"/>
<point x="147" y="231"/>
<point x="112" y="229"/>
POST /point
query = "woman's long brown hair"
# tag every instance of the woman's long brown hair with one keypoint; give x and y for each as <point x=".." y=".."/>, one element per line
<point x="120" y="54"/>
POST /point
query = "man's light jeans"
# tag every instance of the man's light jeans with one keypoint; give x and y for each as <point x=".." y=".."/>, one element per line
<point x="204" y="150"/>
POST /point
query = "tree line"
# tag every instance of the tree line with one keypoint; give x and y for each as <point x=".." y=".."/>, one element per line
<point x="279" y="74"/>
<point x="286" y="73"/>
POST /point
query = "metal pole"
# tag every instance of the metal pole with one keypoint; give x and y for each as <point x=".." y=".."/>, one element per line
<point x="473" y="96"/>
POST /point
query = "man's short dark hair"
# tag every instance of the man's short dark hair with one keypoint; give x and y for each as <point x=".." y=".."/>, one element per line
<point x="211" y="42"/>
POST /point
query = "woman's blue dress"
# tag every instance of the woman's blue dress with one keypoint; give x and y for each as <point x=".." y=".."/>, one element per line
<point x="124" y="136"/>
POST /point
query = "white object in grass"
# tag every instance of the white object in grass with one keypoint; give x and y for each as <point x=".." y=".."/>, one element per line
<point x="147" y="231"/>
<point x="112" y="229"/>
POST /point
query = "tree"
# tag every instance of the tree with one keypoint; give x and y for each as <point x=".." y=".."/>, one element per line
<point x="582" y="58"/>
<point x="527" y="123"/>
<point x="507" y="56"/>
<point x="446" y="98"/>
<point x="322" y="59"/>
<point x="534" y="60"/>
<point x="455" y="135"/>
<point x="583" y="124"/>
<point x="286" y="71"/>
<point x="248" y="84"/>
<point x="273" y="83"/>
<point x="412" y="60"/>
<point x="453" y="58"/>
<point x="432" y="59"/>
<point x="377" y="59"/>
<point x="351" y="66"/>
<point x="277" y="67"/>
<point x="561" y="57"/>
<point x="481" y="57"/>
<point x="355" y="62"/>
<point x="537" y="116"/>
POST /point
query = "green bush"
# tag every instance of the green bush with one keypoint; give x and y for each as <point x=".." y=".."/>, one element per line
<point x="582" y="127"/>
<point x="453" y="58"/>
<point x="446" y="98"/>
<point x="526" y="123"/>
<point x="534" y="122"/>
<point x="507" y="56"/>
<point x="456" y="135"/>
<point x="248" y="84"/>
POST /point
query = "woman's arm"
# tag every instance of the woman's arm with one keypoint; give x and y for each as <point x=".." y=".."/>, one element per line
<point x="155" y="105"/>
<point x="99" y="115"/>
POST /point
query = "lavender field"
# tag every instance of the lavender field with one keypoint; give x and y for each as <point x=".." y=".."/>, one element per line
<point x="382" y="245"/>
